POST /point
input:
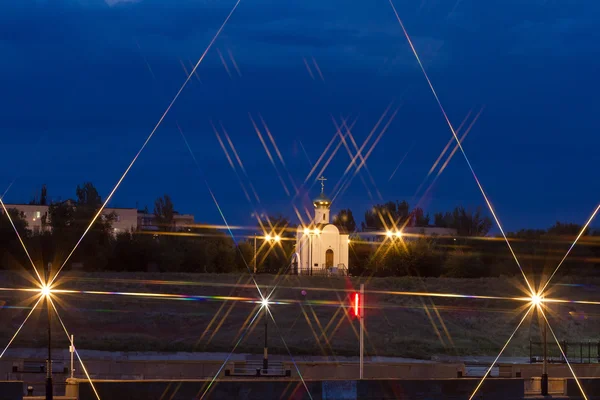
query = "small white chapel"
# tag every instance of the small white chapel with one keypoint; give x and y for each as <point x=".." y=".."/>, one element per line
<point x="321" y="248"/>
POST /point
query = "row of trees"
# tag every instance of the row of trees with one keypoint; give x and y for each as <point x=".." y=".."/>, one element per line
<point x="203" y="249"/>
<point x="398" y="214"/>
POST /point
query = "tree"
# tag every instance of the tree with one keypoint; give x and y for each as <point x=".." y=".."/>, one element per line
<point x="443" y="220"/>
<point x="466" y="223"/>
<point x="43" y="200"/>
<point x="10" y="252"/>
<point x="70" y="219"/>
<point x="385" y="216"/>
<point x="88" y="197"/>
<point x="277" y="225"/>
<point x="164" y="212"/>
<point x="420" y="219"/>
<point x="345" y="220"/>
<point x="44" y="196"/>
<point x="273" y="256"/>
<point x="566" y="229"/>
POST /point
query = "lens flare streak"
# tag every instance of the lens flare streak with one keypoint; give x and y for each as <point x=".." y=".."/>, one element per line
<point x="160" y="295"/>
<point x="20" y="239"/>
<point x="20" y="327"/>
<point x="583" y="229"/>
<point x="109" y="197"/>
<point x="501" y="351"/>
<point x="74" y="349"/>
<point x="229" y="355"/>
<point x="489" y="204"/>
<point x="563" y="354"/>
<point x="290" y="353"/>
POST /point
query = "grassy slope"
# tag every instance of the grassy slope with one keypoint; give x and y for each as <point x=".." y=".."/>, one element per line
<point x="397" y="325"/>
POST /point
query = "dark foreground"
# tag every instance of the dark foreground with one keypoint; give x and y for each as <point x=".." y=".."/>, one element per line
<point x="432" y="389"/>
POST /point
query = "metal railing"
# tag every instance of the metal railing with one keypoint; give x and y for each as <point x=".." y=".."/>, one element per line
<point x="576" y="352"/>
<point x="340" y="270"/>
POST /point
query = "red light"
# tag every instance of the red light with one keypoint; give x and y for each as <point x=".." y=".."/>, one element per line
<point x="356" y="298"/>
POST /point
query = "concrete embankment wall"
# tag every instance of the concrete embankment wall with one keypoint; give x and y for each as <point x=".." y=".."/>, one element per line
<point x="591" y="387"/>
<point x="554" y="370"/>
<point x="144" y="369"/>
<point x="12" y="390"/>
<point x="440" y="389"/>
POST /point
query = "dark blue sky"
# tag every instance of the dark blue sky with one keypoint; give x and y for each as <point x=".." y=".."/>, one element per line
<point x="84" y="81"/>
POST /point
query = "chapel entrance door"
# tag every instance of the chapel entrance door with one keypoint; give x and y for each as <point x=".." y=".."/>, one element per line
<point x="329" y="258"/>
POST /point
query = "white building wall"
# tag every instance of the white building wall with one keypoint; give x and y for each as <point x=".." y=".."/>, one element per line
<point x="302" y="248"/>
<point x="33" y="215"/>
<point x="126" y="217"/>
<point x="321" y="215"/>
<point x="344" y="253"/>
<point x="330" y="240"/>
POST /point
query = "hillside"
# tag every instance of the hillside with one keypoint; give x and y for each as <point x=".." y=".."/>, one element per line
<point x="311" y="323"/>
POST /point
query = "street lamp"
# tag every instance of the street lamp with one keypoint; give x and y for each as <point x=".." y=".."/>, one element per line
<point x="46" y="293"/>
<point x="265" y="304"/>
<point x="268" y="238"/>
<point x="391" y="234"/>
<point x="537" y="300"/>
<point x="310" y="233"/>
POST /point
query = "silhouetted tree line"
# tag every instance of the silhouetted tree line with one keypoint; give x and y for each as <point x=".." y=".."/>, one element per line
<point x="471" y="252"/>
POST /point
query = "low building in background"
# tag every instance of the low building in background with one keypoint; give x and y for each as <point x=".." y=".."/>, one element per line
<point x="428" y="231"/>
<point x="34" y="215"/>
<point x="127" y="219"/>
<point x="148" y="222"/>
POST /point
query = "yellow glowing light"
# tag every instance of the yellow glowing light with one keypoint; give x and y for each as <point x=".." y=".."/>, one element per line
<point x="317" y="231"/>
<point x="389" y="233"/>
<point x="277" y="238"/>
<point x="265" y="302"/>
<point x="46" y="291"/>
<point x="398" y="234"/>
<point x="536" y="300"/>
<point x="306" y="231"/>
<point x="267" y="237"/>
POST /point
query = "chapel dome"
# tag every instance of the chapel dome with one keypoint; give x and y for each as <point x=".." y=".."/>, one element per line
<point x="322" y="201"/>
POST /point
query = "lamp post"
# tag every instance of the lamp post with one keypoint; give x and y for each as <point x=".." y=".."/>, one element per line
<point x="269" y="238"/>
<point x="310" y="250"/>
<point x="310" y="232"/>
<point x="362" y="327"/>
<point x="265" y="304"/>
<point x="49" y="391"/>
<point x="255" y="254"/>
<point x="544" y="382"/>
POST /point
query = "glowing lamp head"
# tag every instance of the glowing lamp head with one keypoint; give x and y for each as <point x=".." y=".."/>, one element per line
<point x="46" y="291"/>
<point x="536" y="300"/>
<point x="389" y="234"/>
<point x="265" y="303"/>
<point x="306" y="231"/>
<point x="398" y="234"/>
<point x="317" y="231"/>
<point x="267" y="237"/>
<point x="277" y="238"/>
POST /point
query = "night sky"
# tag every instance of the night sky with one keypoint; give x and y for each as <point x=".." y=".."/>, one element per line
<point x="83" y="82"/>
